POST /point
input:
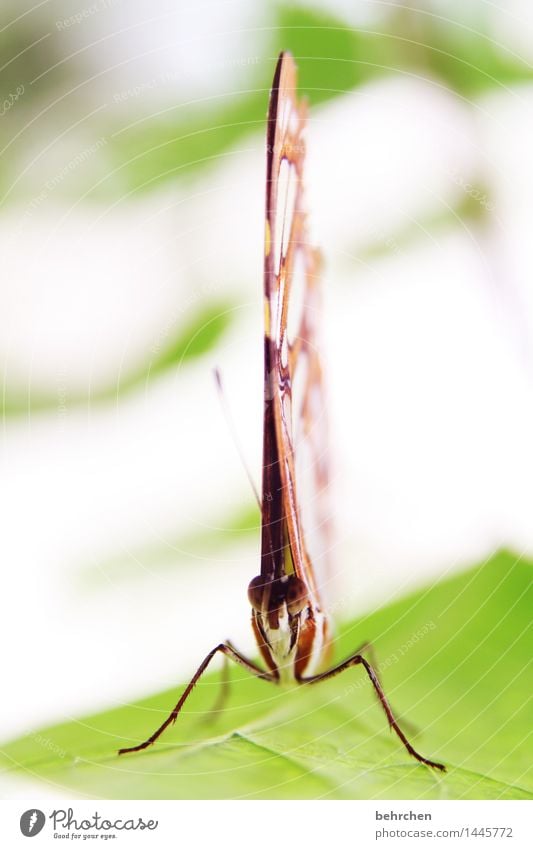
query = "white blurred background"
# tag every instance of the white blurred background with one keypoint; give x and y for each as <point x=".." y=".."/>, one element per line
<point x="132" y="182"/>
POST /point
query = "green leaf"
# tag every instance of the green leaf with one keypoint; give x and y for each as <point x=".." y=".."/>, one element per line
<point x="453" y="658"/>
<point x="200" y="335"/>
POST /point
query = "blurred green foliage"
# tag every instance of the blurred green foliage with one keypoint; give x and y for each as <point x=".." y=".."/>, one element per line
<point x="180" y="141"/>
<point x="193" y="548"/>
<point x="332" y="58"/>
<point x="200" y="335"/>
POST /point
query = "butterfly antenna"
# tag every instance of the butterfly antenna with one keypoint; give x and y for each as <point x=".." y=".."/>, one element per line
<point x="233" y="432"/>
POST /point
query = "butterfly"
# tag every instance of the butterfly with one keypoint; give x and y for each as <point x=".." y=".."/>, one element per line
<point x="289" y="621"/>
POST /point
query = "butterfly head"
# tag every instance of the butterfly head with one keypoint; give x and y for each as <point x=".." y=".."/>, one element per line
<point x="273" y="599"/>
<point x="289" y="626"/>
<point x="279" y="608"/>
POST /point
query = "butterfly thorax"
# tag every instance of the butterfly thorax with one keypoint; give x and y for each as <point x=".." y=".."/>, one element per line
<point x="289" y="626"/>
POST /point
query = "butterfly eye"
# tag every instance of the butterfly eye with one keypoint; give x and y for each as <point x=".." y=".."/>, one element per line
<point x="297" y="596"/>
<point x="255" y="592"/>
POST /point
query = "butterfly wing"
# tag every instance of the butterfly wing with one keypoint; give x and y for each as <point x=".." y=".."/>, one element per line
<point x="296" y="520"/>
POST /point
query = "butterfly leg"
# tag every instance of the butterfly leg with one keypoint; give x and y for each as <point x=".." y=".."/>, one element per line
<point x="356" y="660"/>
<point x="224" y="688"/>
<point x="368" y="649"/>
<point x="222" y="695"/>
<point x="371" y="652"/>
<point x="228" y="651"/>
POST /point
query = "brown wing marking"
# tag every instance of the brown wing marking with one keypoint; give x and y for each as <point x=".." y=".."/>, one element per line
<point x="295" y="438"/>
